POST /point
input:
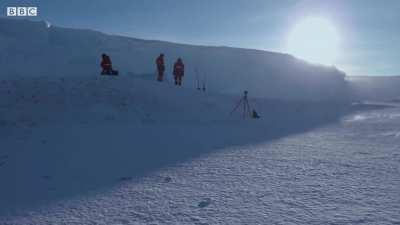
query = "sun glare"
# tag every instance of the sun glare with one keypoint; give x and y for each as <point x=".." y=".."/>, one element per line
<point x="315" y="40"/>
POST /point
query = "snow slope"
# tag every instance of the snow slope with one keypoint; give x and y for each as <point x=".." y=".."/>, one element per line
<point x="56" y="51"/>
<point x="85" y="133"/>
<point x="122" y="150"/>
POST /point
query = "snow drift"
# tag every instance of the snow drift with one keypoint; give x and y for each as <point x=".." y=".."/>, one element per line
<point x="67" y="143"/>
<point x="63" y="137"/>
<point x="33" y="48"/>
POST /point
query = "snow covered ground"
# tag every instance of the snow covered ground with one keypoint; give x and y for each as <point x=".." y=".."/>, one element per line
<point x="128" y="151"/>
<point x="79" y="148"/>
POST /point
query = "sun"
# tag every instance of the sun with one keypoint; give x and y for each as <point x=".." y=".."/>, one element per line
<point x="315" y="40"/>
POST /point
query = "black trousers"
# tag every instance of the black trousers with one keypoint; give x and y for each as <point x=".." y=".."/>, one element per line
<point x="178" y="80"/>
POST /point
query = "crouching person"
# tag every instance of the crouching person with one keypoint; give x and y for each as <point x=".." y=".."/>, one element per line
<point x="106" y="65"/>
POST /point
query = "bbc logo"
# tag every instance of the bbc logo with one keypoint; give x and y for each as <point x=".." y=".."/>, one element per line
<point x="22" y="11"/>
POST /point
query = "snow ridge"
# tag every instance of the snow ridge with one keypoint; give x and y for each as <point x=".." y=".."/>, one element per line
<point x="60" y="52"/>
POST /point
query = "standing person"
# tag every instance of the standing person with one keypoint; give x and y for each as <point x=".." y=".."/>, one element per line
<point x="179" y="71"/>
<point x="160" y="67"/>
<point x="106" y="64"/>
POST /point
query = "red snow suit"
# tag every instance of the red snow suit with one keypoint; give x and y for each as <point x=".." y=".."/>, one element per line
<point x="179" y="72"/>
<point x="106" y="64"/>
<point x="160" y="67"/>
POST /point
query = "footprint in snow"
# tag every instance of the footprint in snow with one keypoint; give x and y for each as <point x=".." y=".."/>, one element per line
<point x="167" y="179"/>
<point x="125" y="179"/>
<point x="3" y="159"/>
<point x="206" y="202"/>
<point x="47" y="177"/>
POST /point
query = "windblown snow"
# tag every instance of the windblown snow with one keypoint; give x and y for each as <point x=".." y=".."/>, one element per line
<point x="80" y="148"/>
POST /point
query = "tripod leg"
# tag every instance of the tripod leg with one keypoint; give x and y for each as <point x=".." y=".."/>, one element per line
<point x="248" y="108"/>
<point x="237" y="106"/>
<point x="244" y="109"/>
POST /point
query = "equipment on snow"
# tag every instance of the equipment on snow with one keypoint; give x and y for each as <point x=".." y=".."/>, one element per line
<point x="197" y="79"/>
<point x="202" y="86"/>
<point x="244" y="102"/>
<point x="113" y="73"/>
<point x="254" y="114"/>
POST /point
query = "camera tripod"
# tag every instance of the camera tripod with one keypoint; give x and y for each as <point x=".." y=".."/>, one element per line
<point x="244" y="102"/>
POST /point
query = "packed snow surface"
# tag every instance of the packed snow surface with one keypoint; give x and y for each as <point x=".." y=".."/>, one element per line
<point x="126" y="151"/>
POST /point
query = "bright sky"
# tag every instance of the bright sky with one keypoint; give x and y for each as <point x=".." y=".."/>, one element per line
<point x="361" y="37"/>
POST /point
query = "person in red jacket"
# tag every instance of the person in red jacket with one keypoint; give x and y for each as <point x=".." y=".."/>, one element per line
<point x="106" y="64"/>
<point x="160" y="67"/>
<point x="179" y="71"/>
